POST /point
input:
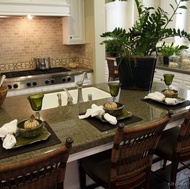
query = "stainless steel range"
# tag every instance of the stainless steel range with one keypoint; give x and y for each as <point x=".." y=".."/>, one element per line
<point x="37" y="78"/>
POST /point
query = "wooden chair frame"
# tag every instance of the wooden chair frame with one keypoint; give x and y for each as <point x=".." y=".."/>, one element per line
<point x="181" y="152"/>
<point x="113" y="70"/>
<point x="45" y="171"/>
<point x="131" y="156"/>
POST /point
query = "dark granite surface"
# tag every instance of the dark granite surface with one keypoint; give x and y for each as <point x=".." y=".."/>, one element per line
<point x="65" y="122"/>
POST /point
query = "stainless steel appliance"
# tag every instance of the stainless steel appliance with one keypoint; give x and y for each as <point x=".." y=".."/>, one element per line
<point x="37" y="78"/>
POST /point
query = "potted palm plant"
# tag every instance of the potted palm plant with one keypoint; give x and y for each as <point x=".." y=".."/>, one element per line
<point x="139" y="44"/>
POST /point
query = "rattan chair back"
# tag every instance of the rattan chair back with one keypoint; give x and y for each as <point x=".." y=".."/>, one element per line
<point x="113" y="70"/>
<point x="132" y="154"/>
<point x="42" y="172"/>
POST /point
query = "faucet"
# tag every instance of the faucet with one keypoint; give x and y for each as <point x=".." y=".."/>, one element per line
<point x="69" y="97"/>
<point x="79" y="86"/>
<point x="59" y="99"/>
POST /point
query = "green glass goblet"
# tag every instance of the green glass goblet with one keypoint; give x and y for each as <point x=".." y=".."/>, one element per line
<point x="36" y="103"/>
<point x="114" y="89"/>
<point x="168" y="79"/>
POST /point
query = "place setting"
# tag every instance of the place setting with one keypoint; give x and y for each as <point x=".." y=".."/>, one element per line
<point x="167" y="98"/>
<point x="18" y="137"/>
<point x="111" y="113"/>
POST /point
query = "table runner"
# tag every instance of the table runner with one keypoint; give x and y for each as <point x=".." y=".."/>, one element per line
<point x="52" y="140"/>
<point x="105" y="126"/>
<point x="167" y="107"/>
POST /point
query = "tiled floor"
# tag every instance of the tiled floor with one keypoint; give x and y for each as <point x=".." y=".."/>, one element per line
<point x="160" y="178"/>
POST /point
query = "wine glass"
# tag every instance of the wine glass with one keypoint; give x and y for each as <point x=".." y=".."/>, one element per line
<point x="114" y="89"/>
<point x="168" y="78"/>
<point x="36" y="103"/>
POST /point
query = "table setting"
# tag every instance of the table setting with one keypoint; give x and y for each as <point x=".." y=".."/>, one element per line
<point x="166" y="98"/>
<point x="110" y="114"/>
<point x="29" y="134"/>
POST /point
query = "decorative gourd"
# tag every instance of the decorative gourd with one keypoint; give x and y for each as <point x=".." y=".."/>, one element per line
<point x="31" y="123"/>
<point x="110" y="105"/>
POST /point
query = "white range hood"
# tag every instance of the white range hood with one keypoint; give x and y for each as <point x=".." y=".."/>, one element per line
<point x="34" y="7"/>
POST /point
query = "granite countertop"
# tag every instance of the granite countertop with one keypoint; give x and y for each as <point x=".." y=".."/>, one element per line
<point x="184" y="69"/>
<point x="65" y="122"/>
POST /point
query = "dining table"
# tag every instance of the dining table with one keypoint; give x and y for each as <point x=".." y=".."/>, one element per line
<point x="90" y="135"/>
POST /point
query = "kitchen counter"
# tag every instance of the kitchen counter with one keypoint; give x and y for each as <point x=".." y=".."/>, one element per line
<point x="180" y="69"/>
<point x="65" y="122"/>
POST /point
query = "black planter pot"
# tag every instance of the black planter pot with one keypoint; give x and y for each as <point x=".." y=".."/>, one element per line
<point x="136" y="73"/>
<point x="166" y="60"/>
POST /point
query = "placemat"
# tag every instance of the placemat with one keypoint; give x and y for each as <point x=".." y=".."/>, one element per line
<point x="167" y="107"/>
<point x="105" y="126"/>
<point x="52" y="140"/>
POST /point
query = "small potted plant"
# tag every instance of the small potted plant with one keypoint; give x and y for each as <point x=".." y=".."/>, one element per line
<point x="141" y="41"/>
<point x="169" y="50"/>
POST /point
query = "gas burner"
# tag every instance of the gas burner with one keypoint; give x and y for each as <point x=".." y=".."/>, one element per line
<point x="37" y="78"/>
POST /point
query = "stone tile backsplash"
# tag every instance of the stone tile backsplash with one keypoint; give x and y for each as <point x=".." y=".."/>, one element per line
<point x="21" y="40"/>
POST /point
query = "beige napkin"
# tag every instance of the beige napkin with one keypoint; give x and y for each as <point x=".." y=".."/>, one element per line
<point x="7" y="133"/>
<point x="98" y="111"/>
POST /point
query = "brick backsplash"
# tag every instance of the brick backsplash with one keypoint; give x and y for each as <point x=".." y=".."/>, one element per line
<point x="21" y="40"/>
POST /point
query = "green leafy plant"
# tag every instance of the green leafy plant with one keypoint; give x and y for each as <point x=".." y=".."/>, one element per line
<point x="168" y="50"/>
<point x="150" y="28"/>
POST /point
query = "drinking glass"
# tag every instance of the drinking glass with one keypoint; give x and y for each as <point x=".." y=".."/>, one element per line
<point x="168" y="78"/>
<point x="36" y="103"/>
<point x="114" y="89"/>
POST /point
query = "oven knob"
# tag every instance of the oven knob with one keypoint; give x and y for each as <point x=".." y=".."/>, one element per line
<point x="52" y="80"/>
<point x="15" y="86"/>
<point x="47" y="82"/>
<point x="68" y="78"/>
<point x="64" y="79"/>
<point x="9" y="86"/>
<point x="34" y="83"/>
<point x="28" y="84"/>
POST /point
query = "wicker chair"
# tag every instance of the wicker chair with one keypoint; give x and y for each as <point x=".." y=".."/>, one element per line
<point x="129" y="162"/>
<point x="174" y="145"/>
<point x="113" y="71"/>
<point x="42" y="172"/>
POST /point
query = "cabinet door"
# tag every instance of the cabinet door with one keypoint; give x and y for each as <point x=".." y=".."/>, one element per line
<point x="186" y="81"/>
<point x="158" y="76"/>
<point x="73" y="26"/>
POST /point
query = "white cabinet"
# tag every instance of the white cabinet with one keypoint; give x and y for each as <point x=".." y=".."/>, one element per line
<point x="186" y="81"/>
<point x="73" y="26"/>
<point x="180" y="80"/>
<point x="158" y="75"/>
<point x="34" y="7"/>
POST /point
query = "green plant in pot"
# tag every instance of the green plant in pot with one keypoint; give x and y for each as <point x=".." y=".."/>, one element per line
<point x="138" y="47"/>
<point x="168" y="50"/>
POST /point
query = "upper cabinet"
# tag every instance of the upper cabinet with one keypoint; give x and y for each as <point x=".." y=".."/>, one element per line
<point x="34" y="7"/>
<point x="73" y="26"/>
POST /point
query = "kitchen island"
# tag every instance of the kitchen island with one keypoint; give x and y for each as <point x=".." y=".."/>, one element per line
<point x="87" y="139"/>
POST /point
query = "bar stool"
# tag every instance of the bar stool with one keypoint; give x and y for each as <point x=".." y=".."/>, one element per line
<point x="129" y="162"/>
<point x="45" y="171"/>
<point x="174" y="145"/>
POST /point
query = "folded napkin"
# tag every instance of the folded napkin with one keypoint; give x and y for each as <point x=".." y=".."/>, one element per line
<point x="158" y="96"/>
<point x="98" y="111"/>
<point x="155" y="96"/>
<point x="170" y="101"/>
<point x="7" y="133"/>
